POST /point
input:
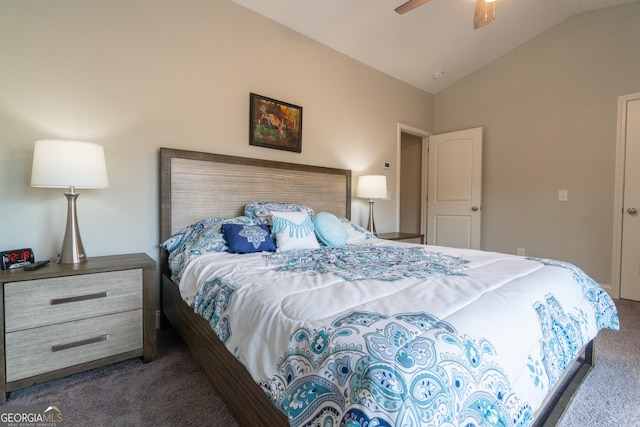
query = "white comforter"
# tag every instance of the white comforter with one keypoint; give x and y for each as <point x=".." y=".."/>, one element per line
<point x="464" y="337"/>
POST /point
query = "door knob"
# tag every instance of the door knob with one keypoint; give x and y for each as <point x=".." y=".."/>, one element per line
<point x="632" y="211"/>
<point x="474" y="208"/>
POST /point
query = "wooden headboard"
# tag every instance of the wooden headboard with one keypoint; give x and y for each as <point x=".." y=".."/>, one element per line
<point x="196" y="185"/>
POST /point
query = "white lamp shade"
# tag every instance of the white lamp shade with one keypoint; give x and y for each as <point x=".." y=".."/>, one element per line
<point x="61" y="164"/>
<point x="372" y="187"/>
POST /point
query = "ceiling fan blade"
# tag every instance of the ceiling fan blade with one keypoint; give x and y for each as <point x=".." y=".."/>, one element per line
<point x="410" y="5"/>
<point x="485" y="13"/>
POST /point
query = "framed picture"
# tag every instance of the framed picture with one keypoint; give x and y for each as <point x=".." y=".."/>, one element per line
<point x="275" y="124"/>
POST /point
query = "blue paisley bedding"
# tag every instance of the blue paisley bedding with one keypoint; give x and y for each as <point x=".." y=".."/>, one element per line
<point x="392" y="334"/>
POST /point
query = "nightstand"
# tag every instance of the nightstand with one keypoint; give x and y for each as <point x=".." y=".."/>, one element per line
<point x="62" y="319"/>
<point x="405" y="237"/>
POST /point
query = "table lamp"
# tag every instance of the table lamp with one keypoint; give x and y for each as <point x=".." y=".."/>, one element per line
<point x="69" y="164"/>
<point x="372" y="187"/>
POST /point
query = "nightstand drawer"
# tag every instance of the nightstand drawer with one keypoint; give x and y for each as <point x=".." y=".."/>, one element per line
<point x="33" y="303"/>
<point x="36" y="351"/>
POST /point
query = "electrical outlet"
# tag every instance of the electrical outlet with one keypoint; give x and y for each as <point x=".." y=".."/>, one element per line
<point x="563" y="195"/>
<point x="520" y="251"/>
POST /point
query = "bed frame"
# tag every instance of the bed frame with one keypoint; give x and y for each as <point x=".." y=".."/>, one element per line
<point x="196" y="185"/>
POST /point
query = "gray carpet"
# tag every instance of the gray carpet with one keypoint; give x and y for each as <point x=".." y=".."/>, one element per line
<point x="173" y="391"/>
<point x="610" y="395"/>
<point x="170" y="391"/>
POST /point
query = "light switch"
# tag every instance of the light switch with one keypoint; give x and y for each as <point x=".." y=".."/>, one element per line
<point x="563" y="195"/>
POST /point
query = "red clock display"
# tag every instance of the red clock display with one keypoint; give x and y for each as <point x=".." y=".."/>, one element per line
<point x="16" y="257"/>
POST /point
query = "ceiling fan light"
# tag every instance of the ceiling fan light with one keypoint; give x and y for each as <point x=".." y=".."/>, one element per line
<point x="485" y="13"/>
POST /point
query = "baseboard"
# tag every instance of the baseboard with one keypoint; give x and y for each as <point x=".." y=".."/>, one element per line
<point x="613" y="293"/>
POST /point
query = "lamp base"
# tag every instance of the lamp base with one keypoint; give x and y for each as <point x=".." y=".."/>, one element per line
<point x="72" y="251"/>
<point x="371" y="226"/>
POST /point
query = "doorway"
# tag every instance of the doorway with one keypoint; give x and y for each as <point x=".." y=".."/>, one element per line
<point x="412" y="160"/>
<point x="448" y="180"/>
<point x="410" y="184"/>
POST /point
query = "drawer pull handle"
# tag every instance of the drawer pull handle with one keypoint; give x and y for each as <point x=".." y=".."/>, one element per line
<point x="60" y="347"/>
<point x="56" y="301"/>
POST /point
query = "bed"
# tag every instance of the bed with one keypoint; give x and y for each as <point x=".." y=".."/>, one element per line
<point x="373" y="332"/>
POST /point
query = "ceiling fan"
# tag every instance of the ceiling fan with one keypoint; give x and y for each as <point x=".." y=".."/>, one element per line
<point x="484" y="14"/>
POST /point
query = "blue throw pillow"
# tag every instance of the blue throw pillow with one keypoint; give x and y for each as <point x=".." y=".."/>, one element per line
<point x="245" y="239"/>
<point x="329" y="229"/>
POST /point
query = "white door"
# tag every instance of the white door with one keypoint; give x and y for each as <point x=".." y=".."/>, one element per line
<point x="630" y="260"/>
<point x="455" y="189"/>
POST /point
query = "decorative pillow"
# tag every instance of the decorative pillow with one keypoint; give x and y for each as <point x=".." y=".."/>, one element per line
<point x="293" y="230"/>
<point x="329" y="230"/>
<point x="177" y="241"/>
<point x="355" y="232"/>
<point x="197" y="239"/>
<point x="245" y="239"/>
<point x="261" y="211"/>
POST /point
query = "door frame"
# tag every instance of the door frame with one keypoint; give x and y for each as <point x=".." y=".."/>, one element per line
<point x="404" y="128"/>
<point x="618" y="194"/>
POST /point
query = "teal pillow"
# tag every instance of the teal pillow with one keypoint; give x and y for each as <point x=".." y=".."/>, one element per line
<point x="329" y="229"/>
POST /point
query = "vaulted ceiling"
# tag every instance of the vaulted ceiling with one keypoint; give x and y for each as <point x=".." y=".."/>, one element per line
<point x="437" y="37"/>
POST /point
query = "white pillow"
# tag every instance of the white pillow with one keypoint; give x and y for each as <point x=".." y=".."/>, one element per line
<point x="355" y="232"/>
<point x="293" y="230"/>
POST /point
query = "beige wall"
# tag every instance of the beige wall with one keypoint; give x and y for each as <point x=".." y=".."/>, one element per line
<point x="549" y="112"/>
<point x="135" y="76"/>
<point x="138" y="75"/>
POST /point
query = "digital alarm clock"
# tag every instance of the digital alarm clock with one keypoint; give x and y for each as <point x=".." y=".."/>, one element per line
<point x="16" y="258"/>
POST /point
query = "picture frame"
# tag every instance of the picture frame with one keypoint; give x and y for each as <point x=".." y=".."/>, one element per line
<point x="274" y="124"/>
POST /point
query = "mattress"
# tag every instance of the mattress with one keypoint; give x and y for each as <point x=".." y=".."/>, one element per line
<point x="382" y="333"/>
